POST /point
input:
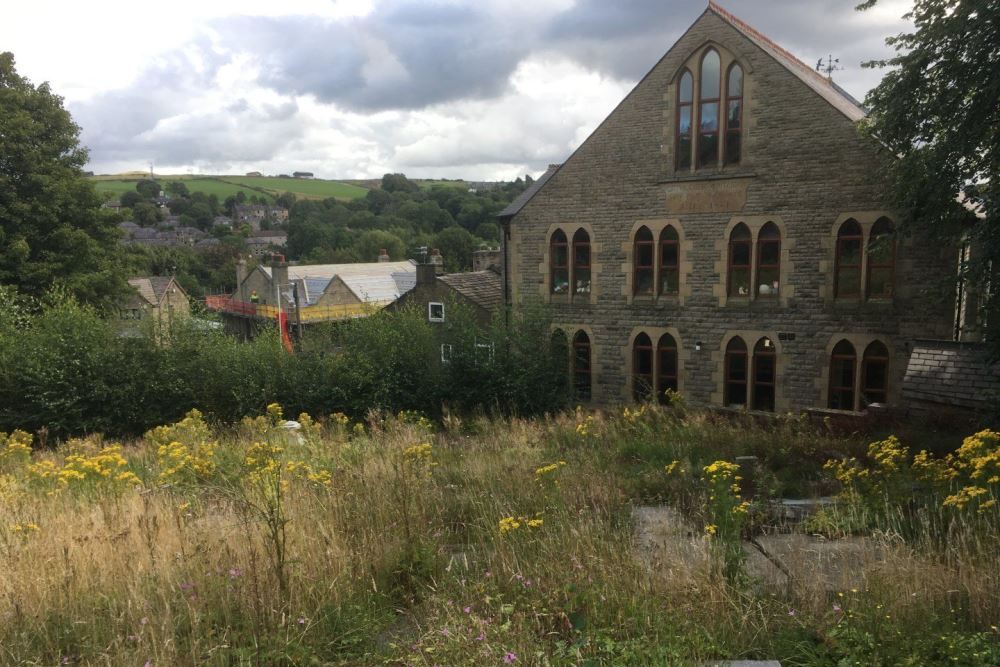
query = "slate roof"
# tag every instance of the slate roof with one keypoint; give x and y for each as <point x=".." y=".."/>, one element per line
<point x="152" y="288"/>
<point x="371" y="281"/>
<point x="831" y="92"/>
<point x="515" y="206"/>
<point x="950" y="373"/>
<point x="483" y="288"/>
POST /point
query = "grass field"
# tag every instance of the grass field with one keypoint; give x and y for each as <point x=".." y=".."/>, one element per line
<point x="224" y="186"/>
<point x="470" y="542"/>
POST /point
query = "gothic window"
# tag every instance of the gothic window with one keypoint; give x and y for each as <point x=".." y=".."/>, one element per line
<point x="881" y="260"/>
<point x="875" y="374"/>
<point x="642" y="367"/>
<point x="581" y="366"/>
<point x="842" y="367"/>
<point x="644" y="262"/>
<point x="734" y="114"/>
<point x="768" y="260"/>
<point x="708" y="110"/>
<point x="685" y="103"/>
<point x="559" y="262"/>
<point x="763" y="375"/>
<point x="740" y="252"/>
<point x="735" y="394"/>
<point x="670" y="265"/>
<point x="666" y="371"/>
<point x="581" y="262"/>
<point x="847" y="269"/>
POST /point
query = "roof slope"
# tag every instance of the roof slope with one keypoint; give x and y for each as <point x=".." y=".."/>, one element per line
<point x="482" y="288"/>
<point x="152" y="288"/>
<point x="952" y="373"/>
<point x="831" y="92"/>
<point x="515" y="206"/>
<point x="370" y="281"/>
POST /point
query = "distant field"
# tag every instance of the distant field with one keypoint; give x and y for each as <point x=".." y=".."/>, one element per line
<point x="224" y="186"/>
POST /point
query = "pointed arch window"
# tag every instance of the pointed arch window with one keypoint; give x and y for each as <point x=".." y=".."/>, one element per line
<point x="735" y="394"/>
<point x="763" y="375"/>
<point x="768" y="260"/>
<point x="670" y="261"/>
<point x="581" y="262"/>
<point x="843" y="362"/>
<point x="847" y="269"/>
<point x="644" y="262"/>
<point x="875" y="374"/>
<point x="881" y="260"/>
<point x="685" y="105"/>
<point x="582" y="384"/>
<point x="708" y="109"/>
<point x="734" y="114"/>
<point x="559" y="262"/>
<point x="642" y="367"/>
<point x="666" y="367"/>
<point x="740" y="255"/>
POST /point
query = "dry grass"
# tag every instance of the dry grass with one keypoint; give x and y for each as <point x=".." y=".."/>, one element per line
<point x="399" y="560"/>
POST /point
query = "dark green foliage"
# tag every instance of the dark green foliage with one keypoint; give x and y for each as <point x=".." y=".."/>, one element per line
<point x="148" y="189"/>
<point x="66" y="370"/>
<point x="51" y="231"/>
<point x="938" y="110"/>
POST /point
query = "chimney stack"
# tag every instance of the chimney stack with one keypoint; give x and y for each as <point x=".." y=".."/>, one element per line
<point x="486" y="259"/>
<point x="241" y="276"/>
<point x="437" y="261"/>
<point x="279" y="278"/>
<point x="383" y="255"/>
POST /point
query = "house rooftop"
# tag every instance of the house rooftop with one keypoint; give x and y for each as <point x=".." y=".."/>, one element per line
<point x="372" y="282"/>
<point x="483" y="288"/>
<point x="153" y="288"/>
<point x="515" y="206"/>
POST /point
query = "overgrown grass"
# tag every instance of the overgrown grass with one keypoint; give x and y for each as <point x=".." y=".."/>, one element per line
<point x="473" y="542"/>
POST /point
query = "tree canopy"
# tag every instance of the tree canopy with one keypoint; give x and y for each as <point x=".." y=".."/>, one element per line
<point x="938" y="109"/>
<point x="51" y="229"/>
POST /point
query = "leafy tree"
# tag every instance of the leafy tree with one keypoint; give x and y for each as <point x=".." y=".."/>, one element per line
<point x="398" y="183"/>
<point x="371" y="243"/>
<point x="148" y="189"/>
<point x="146" y="214"/>
<point x="178" y="188"/>
<point x="456" y="245"/>
<point x="286" y="200"/>
<point x="51" y="231"/>
<point x="938" y="109"/>
<point x="130" y="199"/>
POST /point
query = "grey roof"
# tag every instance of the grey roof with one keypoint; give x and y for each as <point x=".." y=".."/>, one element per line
<point x="370" y="281"/>
<point x="483" y="288"/>
<point x="951" y="373"/>
<point x="826" y="88"/>
<point x="153" y="288"/>
<point x="515" y="206"/>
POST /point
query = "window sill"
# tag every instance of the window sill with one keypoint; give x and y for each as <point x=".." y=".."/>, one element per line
<point x="650" y="300"/>
<point x="708" y="175"/>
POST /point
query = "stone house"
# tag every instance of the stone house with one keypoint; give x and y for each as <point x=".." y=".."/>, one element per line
<point x="436" y="293"/>
<point x="724" y="234"/>
<point x="157" y="298"/>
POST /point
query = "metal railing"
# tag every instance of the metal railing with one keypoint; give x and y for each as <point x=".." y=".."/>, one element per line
<point x="226" y="304"/>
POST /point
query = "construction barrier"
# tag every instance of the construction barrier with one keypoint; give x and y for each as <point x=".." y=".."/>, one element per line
<point x="225" y="304"/>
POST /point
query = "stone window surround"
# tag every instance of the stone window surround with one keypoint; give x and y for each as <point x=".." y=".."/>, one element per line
<point x="570" y="331"/>
<point x="786" y="287"/>
<point x="860" y="343"/>
<point x="685" y="266"/>
<point x="827" y="265"/>
<point x="693" y="64"/>
<point x="750" y="338"/>
<point x="569" y="229"/>
<point x="654" y="333"/>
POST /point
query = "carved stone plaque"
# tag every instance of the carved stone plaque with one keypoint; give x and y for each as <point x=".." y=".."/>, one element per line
<point x="729" y="196"/>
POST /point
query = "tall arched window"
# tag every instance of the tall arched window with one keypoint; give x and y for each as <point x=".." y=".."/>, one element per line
<point x="685" y="103"/>
<point x="875" y="374"/>
<point x="763" y="375"/>
<point x="736" y="373"/>
<point x="643" y="260"/>
<point x="842" y="364"/>
<point x="581" y="366"/>
<point x="847" y="269"/>
<point x="740" y="254"/>
<point x="666" y="375"/>
<point x="581" y="262"/>
<point x="559" y="263"/>
<point x="642" y="367"/>
<point x="881" y="260"/>
<point x="708" y="109"/>
<point x="670" y="261"/>
<point x="734" y="114"/>
<point x="768" y="260"/>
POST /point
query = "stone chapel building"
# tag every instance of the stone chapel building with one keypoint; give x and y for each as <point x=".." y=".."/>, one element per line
<point x="724" y="234"/>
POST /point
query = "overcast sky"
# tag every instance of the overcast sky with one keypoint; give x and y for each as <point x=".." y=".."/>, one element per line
<point x="480" y="89"/>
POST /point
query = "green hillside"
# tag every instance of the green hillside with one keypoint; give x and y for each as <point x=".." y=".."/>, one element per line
<point x="224" y="186"/>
